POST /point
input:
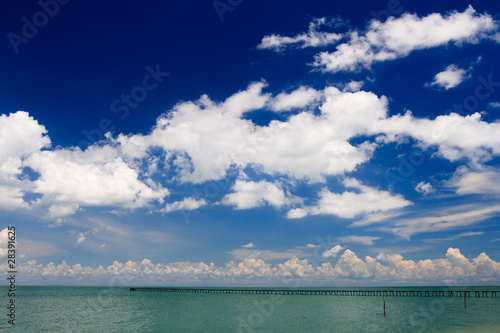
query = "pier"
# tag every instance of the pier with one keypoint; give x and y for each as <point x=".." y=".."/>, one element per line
<point x="328" y="292"/>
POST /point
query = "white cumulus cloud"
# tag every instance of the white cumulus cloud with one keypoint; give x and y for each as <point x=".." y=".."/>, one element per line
<point x="424" y="188"/>
<point x="254" y="194"/>
<point x="395" y="38"/>
<point x="20" y="136"/>
<point x="351" y="204"/>
<point x="386" y="269"/>
<point x="451" y="77"/>
<point x="398" y="37"/>
<point x="98" y="176"/>
<point x="333" y="252"/>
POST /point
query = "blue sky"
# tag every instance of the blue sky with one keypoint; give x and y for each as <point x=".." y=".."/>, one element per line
<point x="248" y="142"/>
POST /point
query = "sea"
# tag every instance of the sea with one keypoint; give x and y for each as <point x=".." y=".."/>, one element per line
<point x="117" y="309"/>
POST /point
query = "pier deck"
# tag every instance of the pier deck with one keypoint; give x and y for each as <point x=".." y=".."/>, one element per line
<point x="328" y="292"/>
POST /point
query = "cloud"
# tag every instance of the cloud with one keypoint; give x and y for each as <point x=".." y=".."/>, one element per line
<point x="65" y="179"/>
<point x="398" y="37"/>
<point x="451" y="77"/>
<point x="469" y="234"/>
<point x="375" y="218"/>
<point x="366" y="240"/>
<point x="494" y="105"/>
<point x="58" y="211"/>
<point x="387" y="269"/>
<point x="482" y="181"/>
<point x="455" y="237"/>
<point x="201" y="141"/>
<point x="296" y="213"/>
<point x="186" y="204"/>
<point x="295" y="268"/>
<point x="193" y="133"/>
<point x="117" y="172"/>
<point x="240" y="254"/>
<point x="98" y="176"/>
<point x="299" y="98"/>
<point x="352" y="204"/>
<point x="4" y="239"/>
<point x="20" y="136"/>
<point x="252" y="194"/>
<point x="332" y="253"/>
<point x="249" y="245"/>
<point x="313" y="38"/>
<point x="353" y="86"/>
<point x="447" y="134"/>
<point x="81" y="237"/>
<point x="424" y="188"/>
<point x="441" y="220"/>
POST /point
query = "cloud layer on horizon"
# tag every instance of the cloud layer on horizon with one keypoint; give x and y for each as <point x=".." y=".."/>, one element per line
<point x="453" y="269"/>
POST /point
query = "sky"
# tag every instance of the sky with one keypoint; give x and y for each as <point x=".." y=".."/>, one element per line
<point x="251" y="143"/>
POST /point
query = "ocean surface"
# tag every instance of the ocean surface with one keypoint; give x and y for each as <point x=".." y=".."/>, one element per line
<point x="116" y="309"/>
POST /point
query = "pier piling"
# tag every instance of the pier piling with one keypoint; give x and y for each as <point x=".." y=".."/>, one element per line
<point x="384" y="305"/>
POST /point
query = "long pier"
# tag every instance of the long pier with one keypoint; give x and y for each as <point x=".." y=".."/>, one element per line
<point x="328" y="292"/>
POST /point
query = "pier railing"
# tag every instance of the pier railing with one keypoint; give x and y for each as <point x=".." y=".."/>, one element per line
<point x="327" y="292"/>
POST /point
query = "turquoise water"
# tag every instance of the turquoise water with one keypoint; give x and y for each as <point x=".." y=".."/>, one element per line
<point x="116" y="309"/>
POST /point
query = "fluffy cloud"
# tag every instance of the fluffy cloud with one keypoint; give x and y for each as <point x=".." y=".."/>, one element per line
<point x="398" y="37"/>
<point x="59" y="211"/>
<point x="454" y="267"/>
<point x="66" y="179"/>
<point x="447" y="134"/>
<point x="97" y="176"/>
<point x="451" y="77"/>
<point x="196" y="132"/>
<point x="4" y="238"/>
<point x="299" y="98"/>
<point x="313" y="38"/>
<point x="251" y="194"/>
<point x="351" y="204"/>
<point x="20" y="136"/>
<point x="424" y="188"/>
<point x="332" y="253"/>
<point x="204" y="140"/>
<point x="116" y="173"/>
